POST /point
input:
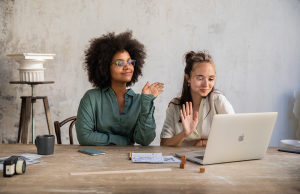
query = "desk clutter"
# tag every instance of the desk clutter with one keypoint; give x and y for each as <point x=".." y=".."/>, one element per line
<point x="28" y="158"/>
<point x="45" y="144"/>
<point x="183" y="161"/>
<point x="152" y="158"/>
<point x="114" y="173"/>
<point x="15" y="165"/>
<point x="183" y="164"/>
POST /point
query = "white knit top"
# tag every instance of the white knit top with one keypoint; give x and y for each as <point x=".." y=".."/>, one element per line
<point x="218" y="105"/>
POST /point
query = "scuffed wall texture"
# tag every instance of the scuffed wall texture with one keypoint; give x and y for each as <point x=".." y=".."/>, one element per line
<point x="255" y="46"/>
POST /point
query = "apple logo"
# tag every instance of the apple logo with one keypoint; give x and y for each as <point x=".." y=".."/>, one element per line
<point x="241" y="138"/>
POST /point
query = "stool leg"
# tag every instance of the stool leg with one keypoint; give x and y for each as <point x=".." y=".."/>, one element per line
<point x="27" y="112"/>
<point x="48" y="117"/>
<point x="21" y="123"/>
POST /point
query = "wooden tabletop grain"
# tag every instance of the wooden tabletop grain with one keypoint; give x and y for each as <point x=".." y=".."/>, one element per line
<point x="277" y="172"/>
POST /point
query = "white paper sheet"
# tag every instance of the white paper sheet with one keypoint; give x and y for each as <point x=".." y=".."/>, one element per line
<point x="29" y="158"/>
<point x="171" y="159"/>
<point x="147" y="157"/>
<point x="153" y="158"/>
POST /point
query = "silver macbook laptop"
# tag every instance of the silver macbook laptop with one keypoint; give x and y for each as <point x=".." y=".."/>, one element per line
<point x="236" y="137"/>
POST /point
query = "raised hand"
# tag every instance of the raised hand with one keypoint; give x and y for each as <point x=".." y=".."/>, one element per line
<point x="155" y="89"/>
<point x="188" y="118"/>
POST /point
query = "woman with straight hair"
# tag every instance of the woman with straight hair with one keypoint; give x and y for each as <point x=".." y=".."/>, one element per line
<point x="189" y="117"/>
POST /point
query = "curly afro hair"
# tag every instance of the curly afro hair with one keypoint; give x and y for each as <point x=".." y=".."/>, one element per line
<point x="101" y="51"/>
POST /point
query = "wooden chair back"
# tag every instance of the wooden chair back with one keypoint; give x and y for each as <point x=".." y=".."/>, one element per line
<point x="57" y="126"/>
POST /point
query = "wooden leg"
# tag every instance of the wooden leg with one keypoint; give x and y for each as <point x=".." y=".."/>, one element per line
<point x="22" y="117"/>
<point x="48" y="117"/>
<point x="27" y="112"/>
<point x="70" y="132"/>
<point x="57" y="132"/>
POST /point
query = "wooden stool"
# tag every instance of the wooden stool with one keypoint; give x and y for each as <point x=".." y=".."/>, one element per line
<point x="23" y="134"/>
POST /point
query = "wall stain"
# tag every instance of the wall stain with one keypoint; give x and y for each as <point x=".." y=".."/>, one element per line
<point x="217" y="28"/>
<point x="7" y="97"/>
<point x="57" y="113"/>
<point x="9" y="141"/>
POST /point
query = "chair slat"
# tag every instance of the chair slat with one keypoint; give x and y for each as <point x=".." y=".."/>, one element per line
<point x="57" y="126"/>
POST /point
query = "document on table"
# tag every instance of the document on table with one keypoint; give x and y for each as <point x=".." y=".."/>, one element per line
<point x="29" y="158"/>
<point x="153" y="158"/>
<point x="147" y="157"/>
<point x="171" y="159"/>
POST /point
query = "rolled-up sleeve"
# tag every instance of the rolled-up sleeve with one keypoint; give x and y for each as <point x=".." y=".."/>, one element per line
<point x="144" y="132"/>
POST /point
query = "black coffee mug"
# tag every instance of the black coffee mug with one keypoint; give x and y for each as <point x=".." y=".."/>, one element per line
<point x="45" y="144"/>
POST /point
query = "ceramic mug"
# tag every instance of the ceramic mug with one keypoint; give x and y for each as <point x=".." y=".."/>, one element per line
<point x="45" y="144"/>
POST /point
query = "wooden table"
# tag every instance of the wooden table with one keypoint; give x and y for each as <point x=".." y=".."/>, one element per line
<point x="278" y="172"/>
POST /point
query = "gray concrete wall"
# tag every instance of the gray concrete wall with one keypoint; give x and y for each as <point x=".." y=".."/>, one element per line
<point x="255" y="46"/>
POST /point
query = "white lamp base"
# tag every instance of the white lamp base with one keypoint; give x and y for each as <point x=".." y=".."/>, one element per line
<point x="31" y="65"/>
<point x="31" y="75"/>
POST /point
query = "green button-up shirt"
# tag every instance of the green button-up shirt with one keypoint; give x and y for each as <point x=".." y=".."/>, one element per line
<point x="99" y="122"/>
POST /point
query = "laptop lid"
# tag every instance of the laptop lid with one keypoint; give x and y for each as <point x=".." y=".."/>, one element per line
<point x="237" y="137"/>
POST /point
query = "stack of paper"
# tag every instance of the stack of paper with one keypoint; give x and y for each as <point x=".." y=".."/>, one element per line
<point x="153" y="158"/>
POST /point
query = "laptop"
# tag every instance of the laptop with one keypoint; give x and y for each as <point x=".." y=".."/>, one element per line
<point x="236" y="137"/>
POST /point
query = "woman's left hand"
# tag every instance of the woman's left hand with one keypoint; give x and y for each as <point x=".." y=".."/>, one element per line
<point x="155" y="89"/>
<point x="201" y="142"/>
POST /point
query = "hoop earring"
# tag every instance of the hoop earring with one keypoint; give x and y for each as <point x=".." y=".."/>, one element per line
<point x="189" y="84"/>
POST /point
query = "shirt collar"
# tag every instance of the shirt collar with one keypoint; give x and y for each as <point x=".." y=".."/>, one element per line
<point x="105" y="89"/>
<point x="130" y="92"/>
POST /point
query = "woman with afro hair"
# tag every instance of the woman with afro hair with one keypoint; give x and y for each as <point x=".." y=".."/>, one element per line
<point x="111" y="114"/>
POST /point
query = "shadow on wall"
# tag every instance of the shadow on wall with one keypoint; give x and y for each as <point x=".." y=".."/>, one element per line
<point x="292" y="122"/>
<point x="296" y="112"/>
<point x="286" y="123"/>
<point x="289" y="123"/>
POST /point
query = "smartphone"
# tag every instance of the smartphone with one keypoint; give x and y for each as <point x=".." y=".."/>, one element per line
<point x="91" y="151"/>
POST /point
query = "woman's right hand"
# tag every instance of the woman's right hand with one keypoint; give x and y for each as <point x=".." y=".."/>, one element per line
<point x="155" y="89"/>
<point x="189" y="119"/>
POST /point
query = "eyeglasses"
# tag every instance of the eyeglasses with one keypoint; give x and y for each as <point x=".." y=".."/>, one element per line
<point x="122" y="63"/>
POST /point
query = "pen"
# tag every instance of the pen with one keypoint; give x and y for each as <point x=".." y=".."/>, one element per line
<point x="129" y="155"/>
